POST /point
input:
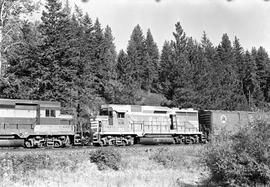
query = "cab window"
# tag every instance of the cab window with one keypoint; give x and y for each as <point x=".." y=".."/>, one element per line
<point x="105" y="112"/>
<point x="47" y="113"/>
<point x="120" y="115"/>
<point x="50" y="113"/>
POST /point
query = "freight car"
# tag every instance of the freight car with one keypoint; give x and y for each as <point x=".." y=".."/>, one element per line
<point x="36" y="124"/>
<point x="214" y="122"/>
<point x="129" y="124"/>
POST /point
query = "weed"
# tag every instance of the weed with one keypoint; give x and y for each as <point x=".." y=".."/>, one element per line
<point x="15" y="166"/>
<point x="173" y="158"/>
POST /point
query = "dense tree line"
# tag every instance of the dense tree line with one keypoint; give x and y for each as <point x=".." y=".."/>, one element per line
<point x="70" y="58"/>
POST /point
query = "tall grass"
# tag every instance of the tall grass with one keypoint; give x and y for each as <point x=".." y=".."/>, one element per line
<point x="137" y="167"/>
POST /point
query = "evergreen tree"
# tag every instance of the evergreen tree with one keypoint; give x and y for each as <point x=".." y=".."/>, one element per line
<point x="228" y="89"/>
<point x="122" y="66"/>
<point x="263" y="73"/>
<point x="251" y="84"/>
<point x="239" y="59"/>
<point x="166" y="75"/>
<point x="110" y="60"/>
<point x="57" y="64"/>
<point x="136" y="55"/>
<point x="102" y="60"/>
<point x="110" y="52"/>
<point x="181" y="68"/>
<point x="151" y="69"/>
<point x="207" y="74"/>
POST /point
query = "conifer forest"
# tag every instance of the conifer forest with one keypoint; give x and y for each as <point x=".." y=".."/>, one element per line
<point x="68" y="56"/>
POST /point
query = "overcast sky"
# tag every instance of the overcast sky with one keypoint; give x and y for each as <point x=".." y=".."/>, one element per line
<point x="249" y="20"/>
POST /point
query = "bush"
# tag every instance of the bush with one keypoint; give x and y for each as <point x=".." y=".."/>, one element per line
<point x="242" y="159"/>
<point x="106" y="158"/>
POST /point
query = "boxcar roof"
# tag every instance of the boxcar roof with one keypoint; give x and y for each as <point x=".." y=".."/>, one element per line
<point x="20" y="101"/>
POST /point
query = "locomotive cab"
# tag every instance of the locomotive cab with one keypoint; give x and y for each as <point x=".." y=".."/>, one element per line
<point x="109" y="116"/>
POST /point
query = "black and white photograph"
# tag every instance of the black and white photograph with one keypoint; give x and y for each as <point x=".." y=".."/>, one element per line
<point x="134" y="93"/>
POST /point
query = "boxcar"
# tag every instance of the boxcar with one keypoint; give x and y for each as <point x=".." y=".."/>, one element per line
<point x="216" y="121"/>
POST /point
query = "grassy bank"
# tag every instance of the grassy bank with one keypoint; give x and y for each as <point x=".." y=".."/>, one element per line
<point x="138" y="166"/>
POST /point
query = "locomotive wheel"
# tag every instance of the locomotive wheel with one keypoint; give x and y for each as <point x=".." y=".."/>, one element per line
<point x="124" y="143"/>
<point x="27" y="144"/>
<point x="41" y="145"/>
<point x="188" y="141"/>
<point x="56" y="144"/>
<point x="67" y="142"/>
<point x="101" y="143"/>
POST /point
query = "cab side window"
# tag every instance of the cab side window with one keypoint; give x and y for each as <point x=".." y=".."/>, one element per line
<point x="120" y="115"/>
<point x="50" y="113"/>
<point x="53" y="113"/>
<point x="47" y="113"/>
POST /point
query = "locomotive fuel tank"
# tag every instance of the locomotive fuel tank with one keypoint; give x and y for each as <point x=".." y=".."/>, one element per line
<point x="157" y="140"/>
<point x="11" y="142"/>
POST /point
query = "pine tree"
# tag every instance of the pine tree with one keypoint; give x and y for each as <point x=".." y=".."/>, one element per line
<point x="166" y="76"/>
<point x="101" y="59"/>
<point x="110" y="60"/>
<point x="122" y="66"/>
<point x="229" y="92"/>
<point x="126" y="89"/>
<point x="151" y="69"/>
<point x="110" y="52"/>
<point x="238" y="57"/>
<point x="251" y="84"/>
<point x="263" y="72"/>
<point x="136" y="55"/>
<point x="57" y="63"/>
<point x="89" y="62"/>
<point x="181" y="68"/>
<point x="207" y="79"/>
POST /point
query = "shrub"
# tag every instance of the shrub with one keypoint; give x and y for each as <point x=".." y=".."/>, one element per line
<point x="242" y="159"/>
<point x="106" y="158"/>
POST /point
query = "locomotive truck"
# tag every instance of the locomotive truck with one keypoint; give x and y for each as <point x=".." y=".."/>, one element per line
<point x="31" y="123"/>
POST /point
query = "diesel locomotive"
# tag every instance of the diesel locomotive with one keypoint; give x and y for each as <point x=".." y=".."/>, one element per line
<point x="32" y="123"/>
<point x="40" y="124"/>
<point x="129" y="124"/>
